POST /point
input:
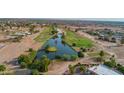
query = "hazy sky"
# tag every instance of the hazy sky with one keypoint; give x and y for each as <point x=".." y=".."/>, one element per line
<point x="105" y="19"/>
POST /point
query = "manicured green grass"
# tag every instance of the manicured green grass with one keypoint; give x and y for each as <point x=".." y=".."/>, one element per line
<point x="96" y="54"/>
<point x="72" y="37"/>
<point x="44" y="35"/>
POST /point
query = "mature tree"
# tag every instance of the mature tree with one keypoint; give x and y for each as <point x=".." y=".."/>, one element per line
<point x="23" y="65"/>
<point x="101" y="54"/>
<point x="80" y="54"/>
<point x="30" y="50"/>
<point x="120" y="68"/>
<point x="82" y="68"/>
<point x="23" y="58"/>
<point x="35" y="72"/>
<point x="40" y="65"/>
<point x="111" y="63"/>
<point x="71" y="69"/>
<point x="74" y="44"/>
<point x="2" y="68"/>
<point x="35" y="65"/>
<point x="44" y="63"/>
<point x="83" y="49"/>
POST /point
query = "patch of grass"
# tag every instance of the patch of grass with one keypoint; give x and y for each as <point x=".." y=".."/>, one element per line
<point x="72" y="38"/>
<point x="44" y="35"/>
<point x="51" y="49"/>
<point x="96" y="54"/>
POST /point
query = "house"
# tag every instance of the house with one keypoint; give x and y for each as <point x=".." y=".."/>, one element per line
<point x="20" y="34"/>
<point x="116" y="37"/>
<point x="27" y="33"/>
<point x="102" y="70"/>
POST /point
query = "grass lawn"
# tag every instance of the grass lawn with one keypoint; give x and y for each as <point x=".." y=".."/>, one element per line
<point x="96" y="54"/>
<point x="44" y="35"/>
<point x="72" y="37"/>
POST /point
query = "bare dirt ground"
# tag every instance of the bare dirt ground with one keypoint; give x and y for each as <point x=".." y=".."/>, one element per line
<point x="13" y="50"/>
<point x="119" y="51"/>
<point x="58" y="68"/>
<point x="96" y="27"/>
<point x="10" y="52"/>
<point x="2" y="37"/>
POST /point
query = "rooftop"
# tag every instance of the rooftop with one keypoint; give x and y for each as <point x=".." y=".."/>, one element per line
<point x="103" y="70"/>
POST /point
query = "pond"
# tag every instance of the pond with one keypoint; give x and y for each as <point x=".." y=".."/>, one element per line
<point x="62" y="48"/>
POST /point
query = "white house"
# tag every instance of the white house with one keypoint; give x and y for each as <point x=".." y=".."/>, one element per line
<point x="103" y="70"/>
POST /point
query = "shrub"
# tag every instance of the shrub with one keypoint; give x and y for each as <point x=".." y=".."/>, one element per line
<point x="118" y="65"/>
<point x="98" y="59"/>
<point x="47" y="47"/>
<point x="2" y="68"/>
<point x="35" y="72"/>
<point x="25" y="61"/>
<point x="44" y="63"/>
<point x="30" y="50"/>
<point x="111" y="64"/>
<point x="121" y="69"/>
<point x="23" y="58"/>
<point x="23" y="65"/>
<point x="32" y="56"/>
<point x="101" y="53"/>
<point x="80" y="54"/>
<point x="35" y="65"/>
<point x="54" y="31"/>
<point x="65" y="57"/>
<point x="74" y="57"/>
<point x="83" y="49"/>
<point x="58" y="57"/>
<point x="63" y="42"/>
<point x="71" y="69"/>
<point x="82" y="68"/>
<point x="73" y="44"/>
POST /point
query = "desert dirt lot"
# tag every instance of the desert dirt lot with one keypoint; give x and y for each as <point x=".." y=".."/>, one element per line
<point x="59" y="68"/>
<point x="119" y="51"/>
<point x="13" y="50"/>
